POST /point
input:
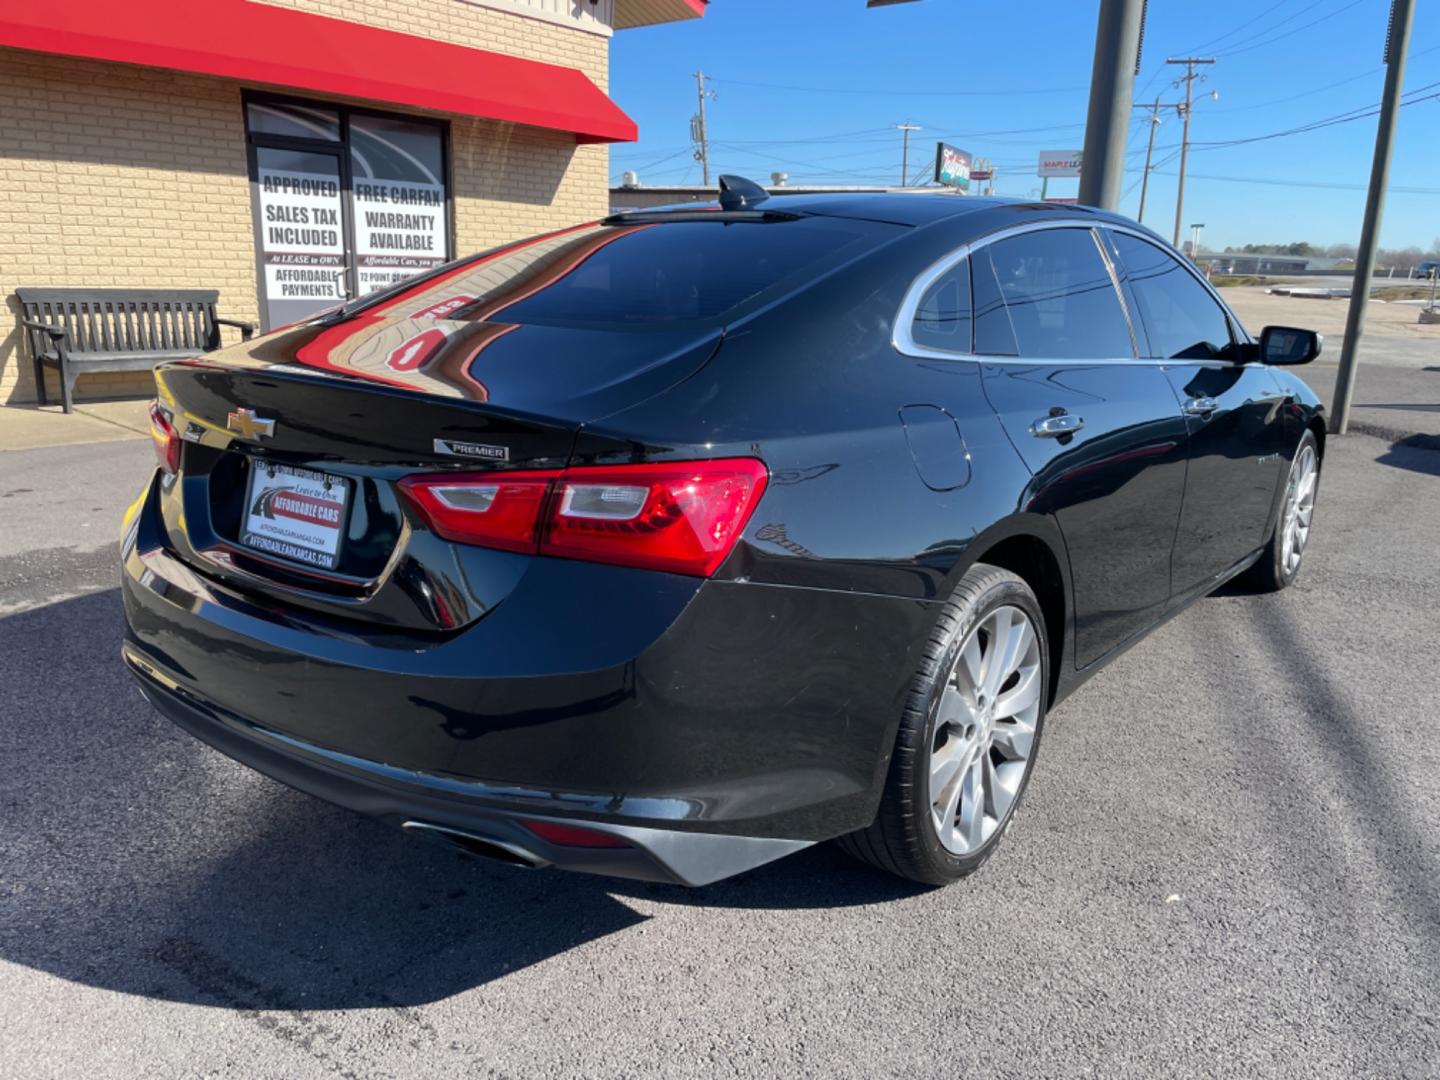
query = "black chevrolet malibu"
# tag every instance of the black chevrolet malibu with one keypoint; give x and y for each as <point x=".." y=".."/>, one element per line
<point x="670" y="544"/>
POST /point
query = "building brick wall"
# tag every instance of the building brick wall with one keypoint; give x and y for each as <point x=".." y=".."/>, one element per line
<point x="113" y="175"/>
<point x="117" y="176"/>
<point x="478" y="27"/>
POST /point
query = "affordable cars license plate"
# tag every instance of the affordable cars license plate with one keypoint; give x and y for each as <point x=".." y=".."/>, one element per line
<point x="295" y="513"/>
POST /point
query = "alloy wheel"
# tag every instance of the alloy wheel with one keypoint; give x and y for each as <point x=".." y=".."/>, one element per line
<point x="1299" y="508"/>
<point x="985" y="727"/>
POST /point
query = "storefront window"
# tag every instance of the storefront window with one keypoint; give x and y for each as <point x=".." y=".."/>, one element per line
<point x="302" y="235"/>
<point x="293" y="121"/>
<point x="346" y="203"/>
<point x="399" y="199"/>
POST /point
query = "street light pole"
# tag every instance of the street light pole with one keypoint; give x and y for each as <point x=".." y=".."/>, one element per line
<point x="905" y="152"/>
<point x="1149" y="153"/>
<point x="1189" y="79"/>
<point x="1397" y="45"/>
<point x="702" y="135"/>
<point x="1112" y="78"/>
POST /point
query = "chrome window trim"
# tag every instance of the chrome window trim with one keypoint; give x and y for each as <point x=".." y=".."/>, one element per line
<point x="1105" y="257"/>
<point x="905" y="344"/>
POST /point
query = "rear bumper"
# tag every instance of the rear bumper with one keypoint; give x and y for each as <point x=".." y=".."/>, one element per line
<point x="450" y="808"/>
<point x="676" y="713"/>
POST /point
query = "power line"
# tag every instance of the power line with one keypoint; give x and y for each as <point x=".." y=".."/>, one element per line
<point x="809" y="166"/>
<point x="876" y="135"/>
<point x="1396" y="189"/>
<point x="1330" y="121"/>
<point x="1290" y="33"/>
<point x="1012" y="131"/>
<point x="1297" y="97"/>
<point x="1154" y="171"/>
<point x="852" y="90"/>
<point x="1304" y="10"/>
<point x="1318" y="89"/>
<point x="1231" y="33"/>
<point x="660" y="161"/>
<point x="887" y="151"/>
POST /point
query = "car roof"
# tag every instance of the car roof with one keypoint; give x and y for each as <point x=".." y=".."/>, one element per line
<point x="915" y="209"/>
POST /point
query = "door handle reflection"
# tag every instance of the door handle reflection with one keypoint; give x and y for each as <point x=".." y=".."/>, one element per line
<point x="1201" y="406"/>
<point x="1052" y="427"/>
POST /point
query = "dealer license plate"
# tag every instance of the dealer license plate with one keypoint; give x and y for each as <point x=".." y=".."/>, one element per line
<point x="298" y="514"/>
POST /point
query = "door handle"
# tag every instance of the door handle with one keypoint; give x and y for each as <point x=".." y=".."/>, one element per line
<point x="1052" y="427"/>
<point x="1200" y="406"/>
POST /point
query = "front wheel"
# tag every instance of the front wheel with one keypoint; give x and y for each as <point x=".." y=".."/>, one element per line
<point x="1279" y="564"/>
<point x="968" y="737"/>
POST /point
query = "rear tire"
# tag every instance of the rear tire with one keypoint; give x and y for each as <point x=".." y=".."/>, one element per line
<point x="968" y="737"/>
<point x="1280" y="562"/>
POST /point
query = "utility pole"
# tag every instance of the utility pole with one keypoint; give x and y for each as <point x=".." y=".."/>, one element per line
<point x="1118" y="36"/>
<point x="698" y="132"/>
<point x="906" y="128"/>
<point x="1149" y="153"/>
<point x="1189" y="80"/>
<point x="1397" y="45"/>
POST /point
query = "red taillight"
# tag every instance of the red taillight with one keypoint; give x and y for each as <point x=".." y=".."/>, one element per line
<point x="495" y="510"/>
<point x="681" y="517"/>
<point x="166" y="439"/>
<point x="574" y="835"/>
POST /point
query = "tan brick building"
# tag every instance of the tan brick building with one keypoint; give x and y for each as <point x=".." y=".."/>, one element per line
<point x="291" y="153"/>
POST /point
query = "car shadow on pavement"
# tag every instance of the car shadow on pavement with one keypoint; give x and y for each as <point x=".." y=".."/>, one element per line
<point x="1418" y="453"/>
<point x="1342" y="788"/>
<point x="137" y="859"/>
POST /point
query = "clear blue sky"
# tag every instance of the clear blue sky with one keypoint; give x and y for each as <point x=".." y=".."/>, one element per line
<point x="1007" y="80"/>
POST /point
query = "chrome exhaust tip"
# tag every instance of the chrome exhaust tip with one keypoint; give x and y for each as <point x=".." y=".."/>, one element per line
<point x="484" y="847"/>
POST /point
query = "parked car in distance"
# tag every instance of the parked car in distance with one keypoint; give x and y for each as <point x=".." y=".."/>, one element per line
<point x="674" y="543"/>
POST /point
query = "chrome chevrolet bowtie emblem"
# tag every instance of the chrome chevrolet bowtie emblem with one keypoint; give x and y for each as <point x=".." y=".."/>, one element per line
<point x="247" y="425"/>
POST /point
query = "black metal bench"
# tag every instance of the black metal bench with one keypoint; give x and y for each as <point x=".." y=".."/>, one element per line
<point x="82" y="330"/>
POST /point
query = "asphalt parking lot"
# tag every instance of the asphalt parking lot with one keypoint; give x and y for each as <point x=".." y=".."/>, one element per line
<point x="1228" y="864"/>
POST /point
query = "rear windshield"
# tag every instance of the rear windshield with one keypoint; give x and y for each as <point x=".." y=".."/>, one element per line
<point x="653" y="274"/>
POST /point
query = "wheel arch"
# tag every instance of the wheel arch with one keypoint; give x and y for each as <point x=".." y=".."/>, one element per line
<point x="1031" y="546"/>
<point x="1316" y="426"/>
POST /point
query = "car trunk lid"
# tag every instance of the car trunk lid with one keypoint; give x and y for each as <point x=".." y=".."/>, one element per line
<point x="292" y="447"/>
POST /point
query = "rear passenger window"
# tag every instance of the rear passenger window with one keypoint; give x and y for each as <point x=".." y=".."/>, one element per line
<point x="1181" y="319"/>
<point x="1059" y="296"/>
<point x="943" y="319"/>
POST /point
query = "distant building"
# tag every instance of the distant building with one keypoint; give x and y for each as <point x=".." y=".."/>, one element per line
<point x="1236" y="263"/>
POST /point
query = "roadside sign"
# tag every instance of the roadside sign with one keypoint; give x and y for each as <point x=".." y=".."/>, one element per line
<point x="1059" y="163"/>
<point x="952" y="166"/>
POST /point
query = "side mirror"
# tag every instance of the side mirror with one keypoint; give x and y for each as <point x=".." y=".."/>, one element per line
<point x="1288" y="345"/>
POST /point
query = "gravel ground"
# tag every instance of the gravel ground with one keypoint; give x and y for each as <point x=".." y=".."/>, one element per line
<point x="1228" y="864"/>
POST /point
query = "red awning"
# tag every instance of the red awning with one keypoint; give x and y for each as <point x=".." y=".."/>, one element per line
<point x="237" y="39"/>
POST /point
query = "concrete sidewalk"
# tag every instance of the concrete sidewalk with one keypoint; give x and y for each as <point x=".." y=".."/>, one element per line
<point x="30" y="427"/>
